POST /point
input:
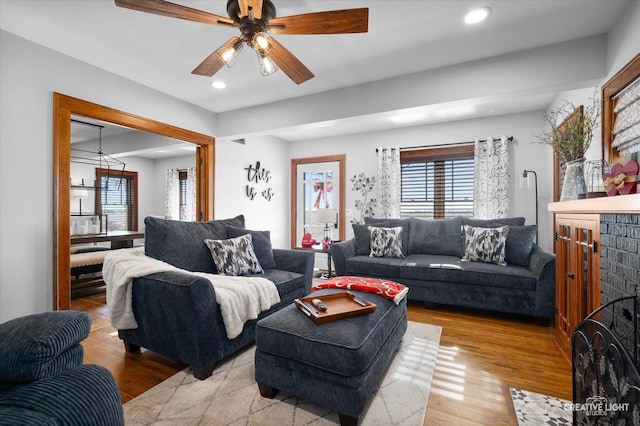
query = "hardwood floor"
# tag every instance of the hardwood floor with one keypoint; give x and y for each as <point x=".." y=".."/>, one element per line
<point x="481" y="355"/>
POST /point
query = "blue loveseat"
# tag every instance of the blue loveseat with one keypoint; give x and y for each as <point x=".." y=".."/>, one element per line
<point x="433" y="268"/>
<point x="177" y="313"/>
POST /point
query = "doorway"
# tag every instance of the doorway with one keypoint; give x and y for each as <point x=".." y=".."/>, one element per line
<point x="63" y="108"/>
<point x="317" y="183"/>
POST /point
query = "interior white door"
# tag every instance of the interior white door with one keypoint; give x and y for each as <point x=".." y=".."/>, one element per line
<point x="317" y="188"/>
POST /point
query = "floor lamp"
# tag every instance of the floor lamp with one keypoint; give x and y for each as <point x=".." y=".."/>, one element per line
<point x="526" y="182"/>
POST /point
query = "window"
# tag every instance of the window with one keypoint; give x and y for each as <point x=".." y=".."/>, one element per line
<point x="182" y="181"/>
<point x="437" y="183"/>
<point x="118" y="199"/>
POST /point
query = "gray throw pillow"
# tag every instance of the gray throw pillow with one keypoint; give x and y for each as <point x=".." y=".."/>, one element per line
<point x="234" y="256"/>
<point x="386" y="242"/>
<point x="392" y="223"/>
<point x="181" y="243"/>
<point x="519" y="244"/>
<point x="362" y="236"/>
<point x="261" y="245"/>
<point x="485" y="244"/>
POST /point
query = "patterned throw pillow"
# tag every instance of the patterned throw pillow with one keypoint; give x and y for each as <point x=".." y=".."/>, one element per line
<point x="235" y="256"/>
<point x="485" y="244"/>
<point x="386" y="242"/>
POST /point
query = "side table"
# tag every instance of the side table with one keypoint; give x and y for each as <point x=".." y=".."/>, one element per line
<point x="318" y="249"/>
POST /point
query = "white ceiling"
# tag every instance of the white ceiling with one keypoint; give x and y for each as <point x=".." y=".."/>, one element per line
<point x="405" y="36"/>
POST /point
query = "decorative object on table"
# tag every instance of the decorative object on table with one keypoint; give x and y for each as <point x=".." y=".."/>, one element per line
<point x="327" y="216"/>
<point x="525" y="182"/>
<point x="622" y="180"/>
<point x="366" y="207"/>
<point x="573" y="185"/>
<point x="594" y="172"/>
<point x="570" y="140"/>
<point x="308" y="240"/>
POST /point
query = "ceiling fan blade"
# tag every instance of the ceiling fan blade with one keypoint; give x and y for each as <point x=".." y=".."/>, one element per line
<point x="172" y="10"/>
<point x="256" y="6"/>
<point x="289" y="64"/>
<point x="214" y="62"/>
<point x="330" y="22"/>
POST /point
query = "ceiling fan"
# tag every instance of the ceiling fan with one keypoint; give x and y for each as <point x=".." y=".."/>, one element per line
<point x="255" y="18"/>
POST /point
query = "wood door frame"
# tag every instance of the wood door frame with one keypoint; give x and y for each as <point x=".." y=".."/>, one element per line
<point x="63" y="108"/>
<point x="342" y="165"/>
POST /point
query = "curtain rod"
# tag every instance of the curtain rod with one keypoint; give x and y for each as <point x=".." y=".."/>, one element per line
<point x="73" y="120"/>
<point x="509" y="138"/>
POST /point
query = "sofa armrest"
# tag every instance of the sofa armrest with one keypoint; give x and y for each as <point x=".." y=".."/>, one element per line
<point x="340" y="252"/>
<point x="296" y="261"/>
<point x="42" y="345"/>
<point x="542" y="263"/>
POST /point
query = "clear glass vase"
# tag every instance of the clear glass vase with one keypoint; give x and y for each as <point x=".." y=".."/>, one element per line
<point x="574" y="184"/>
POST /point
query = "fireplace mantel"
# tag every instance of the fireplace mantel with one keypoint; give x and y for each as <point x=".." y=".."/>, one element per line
<point x="621" y="204"/>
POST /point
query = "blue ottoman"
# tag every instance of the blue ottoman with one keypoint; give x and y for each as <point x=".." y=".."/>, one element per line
<point x="337" y="365"/>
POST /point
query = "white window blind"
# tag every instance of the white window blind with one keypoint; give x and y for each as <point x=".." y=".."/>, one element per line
<point x="437" y="188"/>
<point x="626" y="130"/>
<point x="116" y="198"/>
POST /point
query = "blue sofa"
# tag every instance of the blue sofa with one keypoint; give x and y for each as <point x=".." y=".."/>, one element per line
<point x="177" y="313"/>
<point x="435" y="272"/>
<point x="43" y="380"/>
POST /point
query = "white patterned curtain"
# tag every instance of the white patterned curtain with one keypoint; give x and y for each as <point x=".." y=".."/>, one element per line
<point x="172" y="195"/>
<point x="389" y="181"/>
<point x="491" y="175"/>
<point x="190" y="213"/>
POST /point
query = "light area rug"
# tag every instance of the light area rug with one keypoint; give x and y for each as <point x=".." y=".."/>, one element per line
<point x="534" y="409"/>
<point x="231" y="396"/>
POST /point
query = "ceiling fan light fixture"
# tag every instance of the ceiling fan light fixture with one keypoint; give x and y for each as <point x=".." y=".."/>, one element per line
<point x="229" y="56"/>
<point x="267" y="66"/>
<point x="262" y="43"/>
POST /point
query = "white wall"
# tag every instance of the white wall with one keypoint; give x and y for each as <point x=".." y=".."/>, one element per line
<point x="524" y="153"/>
<point x="29" y="74"/>
<point x="231" y="180"/>
<point x="623" y="41"/>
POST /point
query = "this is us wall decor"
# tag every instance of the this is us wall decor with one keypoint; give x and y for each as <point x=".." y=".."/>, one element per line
<point x="256" y="175"/>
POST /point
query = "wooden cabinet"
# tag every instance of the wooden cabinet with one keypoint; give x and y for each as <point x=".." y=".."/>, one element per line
<point x="577" y="247"/>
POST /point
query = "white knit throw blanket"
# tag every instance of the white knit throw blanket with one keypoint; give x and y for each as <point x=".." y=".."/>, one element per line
<point x="240" y="298"/>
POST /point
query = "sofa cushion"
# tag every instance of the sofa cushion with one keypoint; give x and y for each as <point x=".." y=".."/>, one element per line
<point x="439" y="236"/>
<point x="492" y="275"/>
<point x="386" y="242"/>
<point x="392" y="223"/>
<point x="181" y="244"/>
<point x="234" y="256"/>
<point x="383" y="267"/>
<point x="261" y="245"/>
<point x="519" y="244"/>
<point x="431" y="267"/>
<point x="362" y="236"/>
<point x="485" y="244"/>
<point x="493" y="223"/>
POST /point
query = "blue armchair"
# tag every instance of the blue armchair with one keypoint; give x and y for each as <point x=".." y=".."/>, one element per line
<point x="43" y="380"/>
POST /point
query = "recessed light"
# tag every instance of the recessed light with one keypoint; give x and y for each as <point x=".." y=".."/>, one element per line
<point x="218" y="84"/>
<point x="477" y="15"/>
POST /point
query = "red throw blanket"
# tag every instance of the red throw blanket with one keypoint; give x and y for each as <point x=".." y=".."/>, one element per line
<point x="385" y="288"/>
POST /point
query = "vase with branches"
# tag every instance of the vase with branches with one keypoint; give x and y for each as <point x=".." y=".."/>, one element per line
<point x="367" y="205"/>
<point x="570" y="139"/>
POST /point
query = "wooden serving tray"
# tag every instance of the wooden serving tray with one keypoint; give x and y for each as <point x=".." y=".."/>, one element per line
<point x="339" y="306"/>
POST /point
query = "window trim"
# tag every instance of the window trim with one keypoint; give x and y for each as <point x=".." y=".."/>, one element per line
<point x="133" y="176"/>
<point x="438" y="155"/>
